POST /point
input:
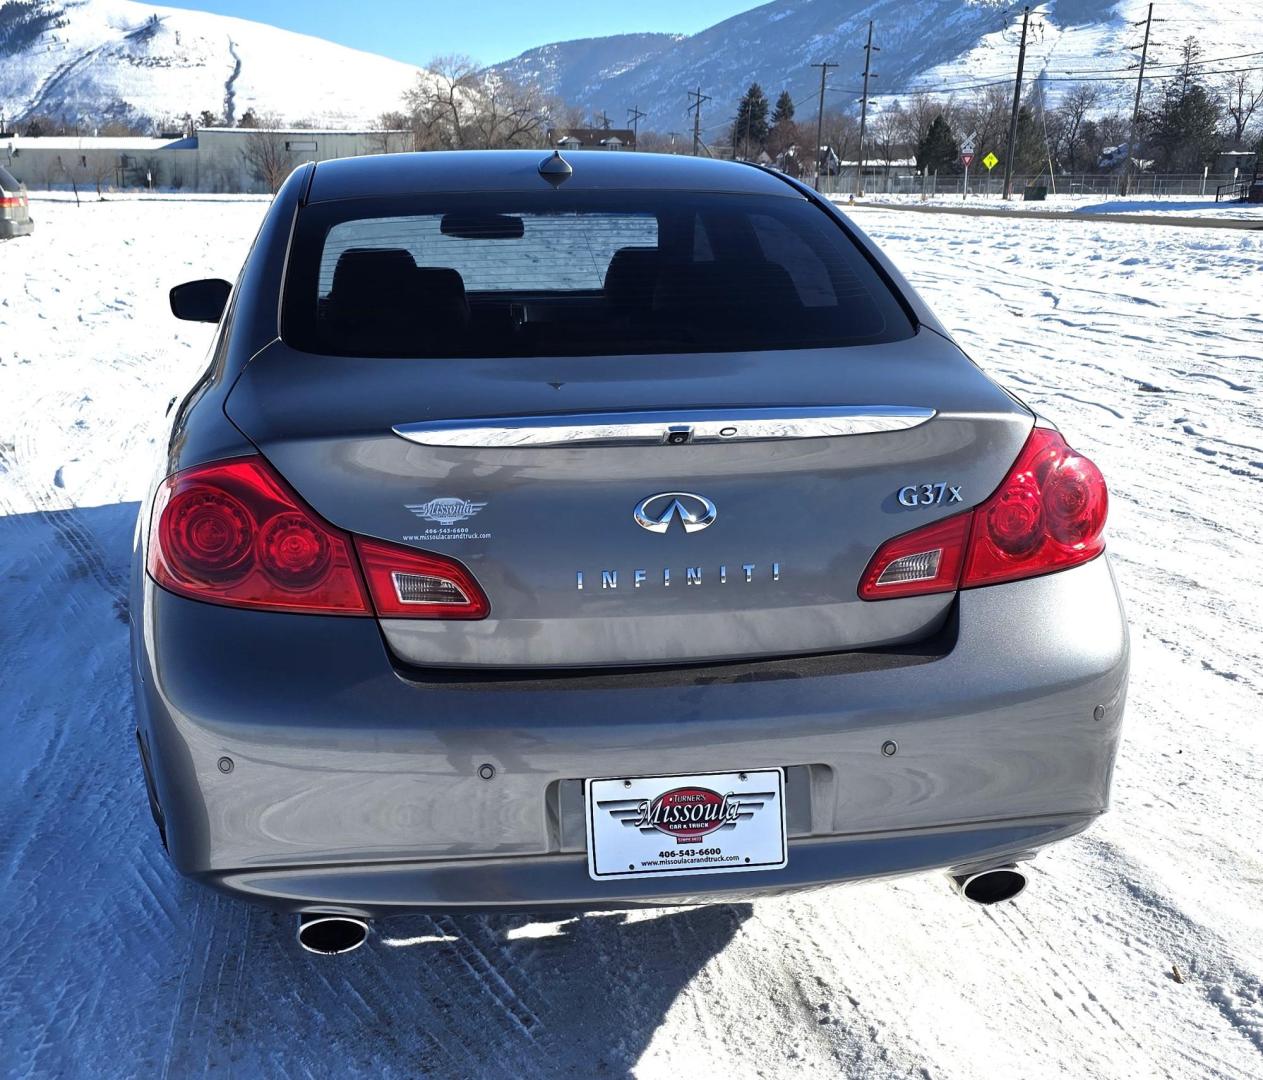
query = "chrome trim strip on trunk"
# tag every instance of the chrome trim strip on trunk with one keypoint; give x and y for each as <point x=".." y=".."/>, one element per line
<point x="669" y="427"/>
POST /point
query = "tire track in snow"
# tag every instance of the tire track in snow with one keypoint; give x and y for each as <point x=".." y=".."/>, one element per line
<point x="51" y="502"/>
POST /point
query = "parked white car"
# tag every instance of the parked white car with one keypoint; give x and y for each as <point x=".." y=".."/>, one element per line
<point x="15" y="209"/>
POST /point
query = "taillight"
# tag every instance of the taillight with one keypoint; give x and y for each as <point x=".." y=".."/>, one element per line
<point x="1048" y="514"/>
<point x="234" y="533"/>
<point x="408" y="584"/>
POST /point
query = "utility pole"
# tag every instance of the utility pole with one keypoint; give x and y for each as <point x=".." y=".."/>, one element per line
<point x="824" y="67"/>
<point x="1135" y="112"/>
<point x="1017" y="104"/>
<point x="696" y="109"/>
<point x="869" y="48"/>
<point x="634" y="117"/>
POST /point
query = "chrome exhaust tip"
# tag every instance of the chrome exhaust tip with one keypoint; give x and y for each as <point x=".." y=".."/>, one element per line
<point x="993" y="886"/>
<point x="331" y="935"/>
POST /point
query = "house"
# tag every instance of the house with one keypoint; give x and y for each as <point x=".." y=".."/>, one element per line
<point x="592" y="138"/>
<point x="210" y="159"/>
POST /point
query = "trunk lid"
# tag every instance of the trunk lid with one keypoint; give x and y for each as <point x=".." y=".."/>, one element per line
<point x="550" y="532"/>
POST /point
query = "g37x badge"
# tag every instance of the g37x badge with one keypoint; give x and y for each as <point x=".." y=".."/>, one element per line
<point x="930" y="494"/>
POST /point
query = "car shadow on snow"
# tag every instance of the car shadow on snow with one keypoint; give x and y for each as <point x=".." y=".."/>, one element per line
<point x="124" y="968"/>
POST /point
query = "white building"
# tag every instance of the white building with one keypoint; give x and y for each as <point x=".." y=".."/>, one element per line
<point x="213" y="159"/>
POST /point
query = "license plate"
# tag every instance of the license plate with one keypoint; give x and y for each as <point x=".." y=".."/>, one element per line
<point x="704" y="823"/>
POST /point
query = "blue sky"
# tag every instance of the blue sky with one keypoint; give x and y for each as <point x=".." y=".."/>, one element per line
<point x="488" y="30"/>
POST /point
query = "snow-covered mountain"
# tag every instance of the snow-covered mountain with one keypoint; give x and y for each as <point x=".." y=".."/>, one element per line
<point x="93" y="61"/>
<point x="933" y="43"/>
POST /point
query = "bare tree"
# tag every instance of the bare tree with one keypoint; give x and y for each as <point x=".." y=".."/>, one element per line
<point x="1066" y="124"/>
<point x="455" y="106"/>
<point x="986" y="115"/>
<point x="265" y="154"/>
<point x="839" y="130"/>
<point x="387" y="132"/>
<point x="101" y="170"/>
<point x="439" y="103"/>
<point x="885" y="135"/>
<point x="655" y="142"/>
<point x="1242" y="95"/>
<point x="919" y="113"/>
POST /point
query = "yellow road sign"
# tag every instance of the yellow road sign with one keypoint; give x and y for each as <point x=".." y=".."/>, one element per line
<point x="990" y="161"/>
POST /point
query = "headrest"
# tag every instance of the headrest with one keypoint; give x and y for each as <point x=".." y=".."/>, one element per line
<point x="372" y="277"/>
<point x="631" y="276"/>
<point x="440" y="292"/>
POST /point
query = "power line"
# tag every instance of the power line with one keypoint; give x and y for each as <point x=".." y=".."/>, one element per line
<point x="951" y="89"/>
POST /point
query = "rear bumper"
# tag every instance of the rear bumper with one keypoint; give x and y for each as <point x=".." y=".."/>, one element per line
<point x="561" y="882"/>
<point x="10" y="228"/>
<point x="355" y="785"/>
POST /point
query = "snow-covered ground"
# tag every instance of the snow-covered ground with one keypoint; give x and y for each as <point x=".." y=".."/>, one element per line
<point x="1137" y="951"/>
<point x="1092" y="203"/>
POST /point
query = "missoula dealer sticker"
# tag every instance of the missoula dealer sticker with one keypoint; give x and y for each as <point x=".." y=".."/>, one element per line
<point x="707" y="823"/>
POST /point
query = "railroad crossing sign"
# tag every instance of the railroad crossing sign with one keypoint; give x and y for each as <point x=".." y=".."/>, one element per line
<point x="990" y="161"/>
<point x="967" y="144"/>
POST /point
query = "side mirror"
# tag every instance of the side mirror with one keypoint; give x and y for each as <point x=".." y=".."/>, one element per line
<point x="200" y="301"/>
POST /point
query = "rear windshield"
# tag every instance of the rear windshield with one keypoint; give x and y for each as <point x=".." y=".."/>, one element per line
<point x="585" y="273"/>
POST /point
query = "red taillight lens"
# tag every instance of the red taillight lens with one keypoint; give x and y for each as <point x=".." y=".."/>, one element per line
<point x="1047" y="515"/>
<point x="408" y="584"/>
<point x="233" y="533"/>
<point x="925" y="561"/>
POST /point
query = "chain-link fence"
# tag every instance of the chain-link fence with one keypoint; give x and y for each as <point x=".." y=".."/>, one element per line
<point x="903" y="182"/>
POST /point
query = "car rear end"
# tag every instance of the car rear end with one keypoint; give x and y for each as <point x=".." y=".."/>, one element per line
<point x="15" y="209"/>
<point x="635" y="538"/>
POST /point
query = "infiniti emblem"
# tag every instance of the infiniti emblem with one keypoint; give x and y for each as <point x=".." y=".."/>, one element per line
<point x="658" y="511"/>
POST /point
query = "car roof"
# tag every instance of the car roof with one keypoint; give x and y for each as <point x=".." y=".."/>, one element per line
<point x="518" y="170"/>
<point x="7" y="182"/>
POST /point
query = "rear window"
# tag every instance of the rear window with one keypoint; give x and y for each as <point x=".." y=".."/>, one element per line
<point x="584" y="273"/>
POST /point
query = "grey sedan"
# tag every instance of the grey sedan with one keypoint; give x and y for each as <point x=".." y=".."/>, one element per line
<point x="612" y="531"/>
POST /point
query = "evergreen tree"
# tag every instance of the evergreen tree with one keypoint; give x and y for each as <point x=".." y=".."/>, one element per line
<point x="938" y="149"/>
<point x="784" y="110"/>
<point x="1182" y="133"/>
<point x="750" y="130"/>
